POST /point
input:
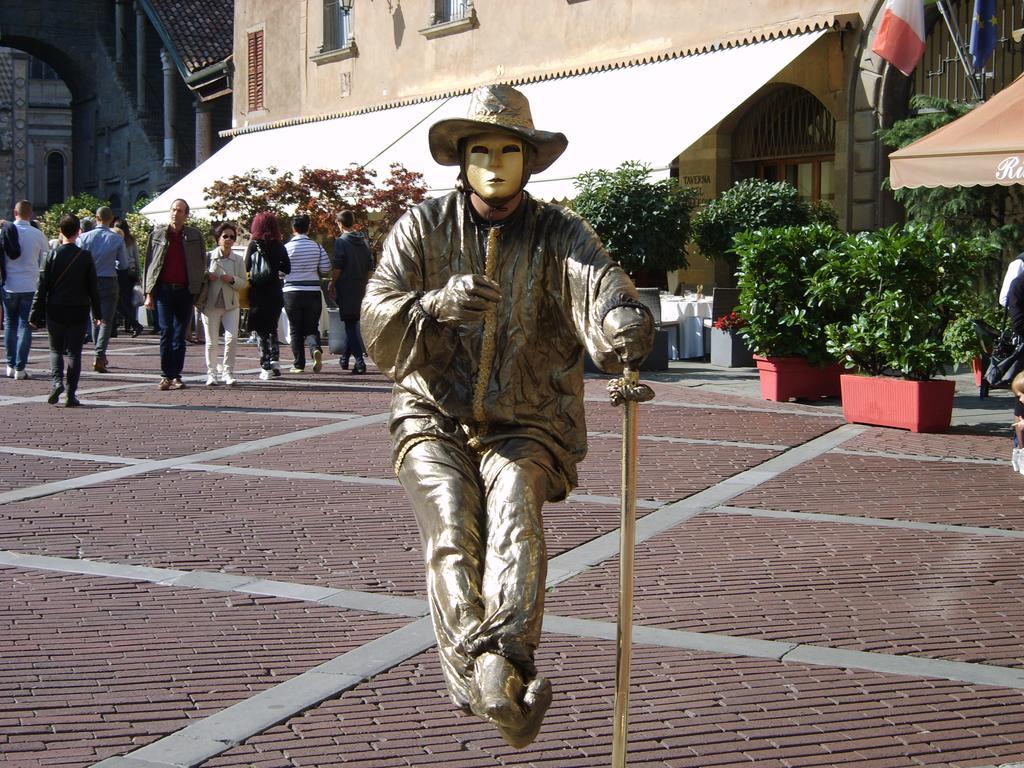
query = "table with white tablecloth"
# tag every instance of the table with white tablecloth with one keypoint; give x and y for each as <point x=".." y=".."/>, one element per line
<point x="689" y="313"/>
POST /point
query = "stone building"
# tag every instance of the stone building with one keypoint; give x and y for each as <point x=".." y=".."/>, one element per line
<point x="149" y="88"/>
<point x="35" y="131"/>
<point x="706" y="92"/>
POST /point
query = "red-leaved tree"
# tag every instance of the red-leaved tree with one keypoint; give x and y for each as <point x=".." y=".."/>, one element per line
<point x="322" y="193"/>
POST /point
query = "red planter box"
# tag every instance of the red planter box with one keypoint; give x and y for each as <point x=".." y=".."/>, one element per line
<point x="784" y="378"/>
<point x="920" y="406"/>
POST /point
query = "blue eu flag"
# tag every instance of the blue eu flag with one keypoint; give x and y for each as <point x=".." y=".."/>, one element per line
<point x="984" y="32"/>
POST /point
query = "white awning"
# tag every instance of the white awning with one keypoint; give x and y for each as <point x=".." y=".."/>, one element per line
<point x="649" y="113"/>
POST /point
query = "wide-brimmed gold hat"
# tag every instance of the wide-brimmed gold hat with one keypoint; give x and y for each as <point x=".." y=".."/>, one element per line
<point x="499" y="107"/>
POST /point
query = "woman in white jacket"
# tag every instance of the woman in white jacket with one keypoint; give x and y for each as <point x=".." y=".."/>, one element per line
<point x="218" y="302"/>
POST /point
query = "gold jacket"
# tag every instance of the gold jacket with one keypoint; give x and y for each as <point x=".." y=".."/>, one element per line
<point x="557" y="283"/>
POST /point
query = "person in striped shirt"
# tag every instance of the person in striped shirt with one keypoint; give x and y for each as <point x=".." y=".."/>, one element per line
<point x="302" y="294"/>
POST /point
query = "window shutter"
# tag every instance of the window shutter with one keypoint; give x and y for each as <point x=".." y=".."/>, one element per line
<point x="255" y="71"/>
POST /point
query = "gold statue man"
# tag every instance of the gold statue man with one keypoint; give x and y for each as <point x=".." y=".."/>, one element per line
<point x="480" y="310"/>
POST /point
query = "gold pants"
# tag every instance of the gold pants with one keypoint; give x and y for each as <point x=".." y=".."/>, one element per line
<point x="483" y="545"/>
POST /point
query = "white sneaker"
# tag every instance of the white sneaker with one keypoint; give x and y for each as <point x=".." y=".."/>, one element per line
<point x="211" y="380"/>
<point x="229" y="380"/>
<point x="1015" y="459"/>
<point x="265" y="374"/>
<point x="22" y="374"/>
<point x="10" y="372"/>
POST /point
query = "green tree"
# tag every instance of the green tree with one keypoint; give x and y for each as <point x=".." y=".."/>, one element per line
<point x="644" y="224"/>
<point x="749" y="205"/>
<point x="77" y="205"/>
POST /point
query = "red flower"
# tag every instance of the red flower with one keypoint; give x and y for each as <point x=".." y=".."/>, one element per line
<point x="730" y="322"/>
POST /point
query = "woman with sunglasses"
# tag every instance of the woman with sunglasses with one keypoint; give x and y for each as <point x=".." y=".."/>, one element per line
<point x="218" y="303"/>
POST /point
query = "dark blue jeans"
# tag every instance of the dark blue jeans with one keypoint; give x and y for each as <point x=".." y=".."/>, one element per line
<point x="173" y="310"/>
<point x="17" y="334"/>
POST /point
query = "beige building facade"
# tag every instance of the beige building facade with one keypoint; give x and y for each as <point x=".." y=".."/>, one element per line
<point x="811" y="120"/>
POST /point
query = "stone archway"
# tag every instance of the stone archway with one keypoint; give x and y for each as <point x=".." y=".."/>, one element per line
<point x="116" y="147"/>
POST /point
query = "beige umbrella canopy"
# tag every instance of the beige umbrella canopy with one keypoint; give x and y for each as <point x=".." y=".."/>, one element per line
<point x="985" y="147"/>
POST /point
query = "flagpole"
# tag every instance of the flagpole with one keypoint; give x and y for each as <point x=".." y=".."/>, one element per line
<point x="972" y="76"/>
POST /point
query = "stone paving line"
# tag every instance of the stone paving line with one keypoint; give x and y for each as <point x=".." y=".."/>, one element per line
<point x="375" y="602"/>
<point x="48" y="489"/>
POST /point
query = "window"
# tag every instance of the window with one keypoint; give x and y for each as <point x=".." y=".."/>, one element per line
<point x="256" y="71"/>
<point x="337" y="26"/>
<point x="446" y="11"/>
<point x="54" y="178"/>
<point x="788" y="136"/>
<point x="40" y="70"/>
<point x="448" y="17"/>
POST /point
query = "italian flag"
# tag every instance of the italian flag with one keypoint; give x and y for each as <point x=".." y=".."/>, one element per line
<point x="900" y="38"/>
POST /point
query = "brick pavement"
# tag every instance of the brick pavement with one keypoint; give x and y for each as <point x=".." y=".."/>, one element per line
<point x="902" y="546"/>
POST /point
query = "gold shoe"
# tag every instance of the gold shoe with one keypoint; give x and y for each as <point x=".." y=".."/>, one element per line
<point x="497" y="691"/>
<point x="536" y="701"/>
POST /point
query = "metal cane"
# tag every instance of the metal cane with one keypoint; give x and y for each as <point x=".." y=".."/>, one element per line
<point x="627" y="392"/>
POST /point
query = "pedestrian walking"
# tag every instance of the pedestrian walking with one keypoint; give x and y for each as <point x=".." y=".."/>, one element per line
<point x="1017" y="387"/>
<point x="21" y="276"/>
<point x="175" y="270"/>
<point x="68" y="291"/>
<point x="218" y="304"/>
<point x="1015" y="306"/>
<point x="352" y="266"/>
<point x="266" y="260"/>
<point x="108" y="251"/>
<point x="128" y="279"/>
<point x="303" y="298"/>
<point x="9" y="247"/>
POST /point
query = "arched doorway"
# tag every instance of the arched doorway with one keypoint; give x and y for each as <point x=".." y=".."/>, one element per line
<point x="789" y="135"/>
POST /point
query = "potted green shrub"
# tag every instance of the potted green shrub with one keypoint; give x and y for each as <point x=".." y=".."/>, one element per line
<point x="906" y="285"/>
<point x="784" y="330"/>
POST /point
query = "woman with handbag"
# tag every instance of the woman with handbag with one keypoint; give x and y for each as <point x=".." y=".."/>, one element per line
<point x="67" y="290"/>
<point x="265" y="261"/>
<point x="218" y="303"/>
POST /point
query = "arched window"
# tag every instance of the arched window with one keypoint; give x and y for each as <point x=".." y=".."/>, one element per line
<point x="788" y="136"/>
<point x="54" y="178"/>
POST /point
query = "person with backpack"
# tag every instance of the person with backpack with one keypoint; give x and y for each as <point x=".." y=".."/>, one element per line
<point x="266" y="260"/>
<point x="68" y="290"/>
<point x="21" y="273"/>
